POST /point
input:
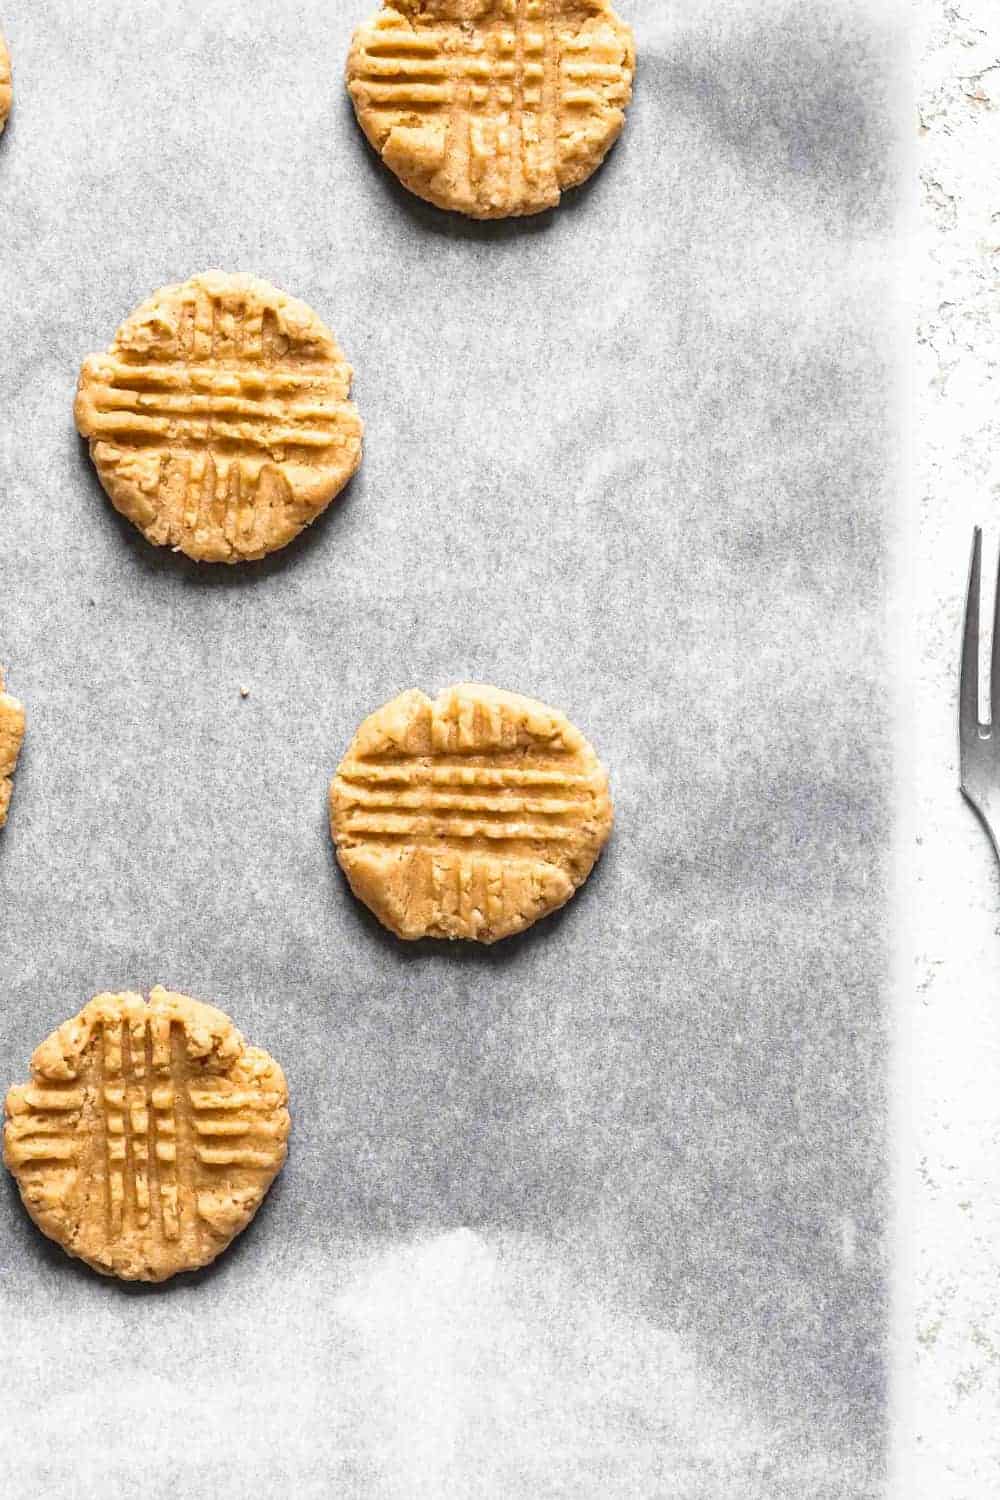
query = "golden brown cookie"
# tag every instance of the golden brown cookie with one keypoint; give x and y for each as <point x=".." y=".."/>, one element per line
<point x="148" y="1135"/>
<point x="492" y="107"/>
<point x="469" y="817"/>
<point x="219" y="419"/>
<point x="6" y="86"/>
<point x="11" y="738"/>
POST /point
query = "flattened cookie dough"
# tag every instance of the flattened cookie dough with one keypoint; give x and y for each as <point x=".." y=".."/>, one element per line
<point x="11" y="739"/>
<point x="471" y="816"/>
<point x="219" y="419"/>
<point x="6" y="85"/>
<point x="148" y="1135"/>
<point x="492" y="107"/>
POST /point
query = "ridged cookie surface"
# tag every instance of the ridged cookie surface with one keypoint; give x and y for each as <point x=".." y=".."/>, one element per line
<point x="148" y="1135"/>
<point x="219" y="419"/>
<point x="6" y="86"/>
<point x="492" y="107"/>
<point x="11" y="739"/>
<point x="471" y="816"/>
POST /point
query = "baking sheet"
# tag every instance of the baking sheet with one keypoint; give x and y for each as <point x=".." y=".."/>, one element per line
<point x="598" y="1212"/>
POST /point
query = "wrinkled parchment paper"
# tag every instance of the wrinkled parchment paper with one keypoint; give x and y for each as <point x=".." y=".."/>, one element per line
<point x="599" y="1212"/>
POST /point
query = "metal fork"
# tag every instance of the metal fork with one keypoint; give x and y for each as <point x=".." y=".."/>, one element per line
<point x="979" y="744"/>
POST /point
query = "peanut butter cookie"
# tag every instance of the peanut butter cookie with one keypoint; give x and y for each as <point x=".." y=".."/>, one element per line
<point x="492" y="107"/>
<point x="11" y="739"/>
<point x="148" y="1135"/>
<point x="218" y="420"/>
<point x="6" y="85"/>
<point x="468" y="817"/>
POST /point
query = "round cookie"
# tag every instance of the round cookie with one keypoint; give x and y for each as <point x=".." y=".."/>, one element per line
<point x="6" y="85"/>
<point x="148" y="1135"/>
<point x="219" y="419"/>
<point x="471" y="816"/>
<point x="11" y="738"/>
<point x="492" y="107"/>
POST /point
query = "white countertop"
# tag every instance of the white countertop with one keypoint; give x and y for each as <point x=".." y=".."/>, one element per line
<point x="950" y="1219"/>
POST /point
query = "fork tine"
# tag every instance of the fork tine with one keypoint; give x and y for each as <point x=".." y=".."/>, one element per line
<point x="968" y="711"/>
<point x="995" y="662"/>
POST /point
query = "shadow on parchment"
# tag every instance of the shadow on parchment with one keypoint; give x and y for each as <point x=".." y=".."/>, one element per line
<point x="795" y="99"/>
<point x="165" y="562"/>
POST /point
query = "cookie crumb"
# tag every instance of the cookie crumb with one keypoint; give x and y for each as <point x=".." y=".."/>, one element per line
<point x="244" y="692"/>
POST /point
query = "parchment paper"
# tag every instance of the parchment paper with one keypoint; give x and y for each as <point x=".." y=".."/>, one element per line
<point x="599" y="1212"/>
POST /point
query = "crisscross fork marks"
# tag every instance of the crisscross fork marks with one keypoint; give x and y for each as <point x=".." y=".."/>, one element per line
<point x="219" y="418"/>
<point x="228" y="1130"/>
<point x="113" y="1115"/>
<point x="112" y="1158"/>
<point x="500" y="88"/>
<point x="419" y="803"/>
<point x="469" y="816"/>
<point x="493" y="117"/>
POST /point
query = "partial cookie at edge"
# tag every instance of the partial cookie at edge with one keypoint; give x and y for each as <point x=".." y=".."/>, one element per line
<point x="12" y="723"/>
<point x="6" y="83"/>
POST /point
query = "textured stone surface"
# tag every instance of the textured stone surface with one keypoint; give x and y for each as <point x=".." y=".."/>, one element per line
<point x="955" y="911"/>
